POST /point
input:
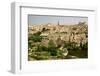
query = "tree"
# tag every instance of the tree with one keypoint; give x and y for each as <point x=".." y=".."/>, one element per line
<point x="51" y="43"/>
<point x="36" y="38"/>
<point x="37" y="33"/>
<point x="59" y="42"/>
<point x="43" y="29"/>
<point x="52" y="48"/>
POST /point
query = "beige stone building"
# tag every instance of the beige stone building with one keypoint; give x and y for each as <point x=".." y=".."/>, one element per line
<point x="72" y="33"/>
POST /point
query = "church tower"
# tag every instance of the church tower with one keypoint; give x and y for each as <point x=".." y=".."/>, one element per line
<point x="58" y="23"/>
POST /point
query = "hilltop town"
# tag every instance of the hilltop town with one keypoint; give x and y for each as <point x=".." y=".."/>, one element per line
<point x="60" y="36"/>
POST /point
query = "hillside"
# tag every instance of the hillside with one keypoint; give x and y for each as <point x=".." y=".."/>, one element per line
<point x="71" y="37"/>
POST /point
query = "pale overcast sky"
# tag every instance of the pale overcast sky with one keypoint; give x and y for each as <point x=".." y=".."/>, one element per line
<point x="42" y="19"/>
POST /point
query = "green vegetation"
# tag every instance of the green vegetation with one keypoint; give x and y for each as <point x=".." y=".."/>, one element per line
<point x="41" y="52"/>
<point x="35" y="37"/>
<point x="79" y="51"/>
<point x="44" y="45"/>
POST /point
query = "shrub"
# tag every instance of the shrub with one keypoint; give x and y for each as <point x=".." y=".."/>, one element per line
<point x="42" y="48"/>
<point x="35" y="38"/>
<point x="79" y="51"/>
<point x="52" y="50"/>
<point x="37" y="33"/>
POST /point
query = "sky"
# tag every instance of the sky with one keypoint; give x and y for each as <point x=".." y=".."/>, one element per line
<point x="43" y="19"/>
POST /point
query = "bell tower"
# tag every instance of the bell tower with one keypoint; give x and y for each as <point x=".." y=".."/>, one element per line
<point x="58" y="23"/>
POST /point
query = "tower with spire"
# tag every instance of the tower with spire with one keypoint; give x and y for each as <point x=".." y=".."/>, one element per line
<point x="58" y="22"/>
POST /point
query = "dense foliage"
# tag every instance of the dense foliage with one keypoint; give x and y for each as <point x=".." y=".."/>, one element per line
<point x="41" y="52"/>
